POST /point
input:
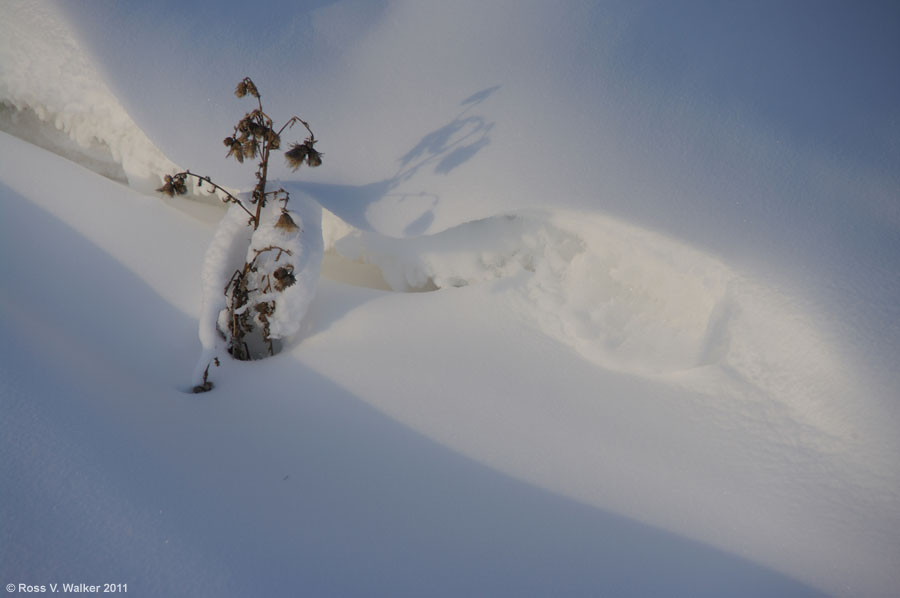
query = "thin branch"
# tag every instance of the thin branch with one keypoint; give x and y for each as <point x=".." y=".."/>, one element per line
<point x="231" y="197"/>
<point x="296" y="119"/>
<point x="237" y="274"/>
<point x="259" y="252"/>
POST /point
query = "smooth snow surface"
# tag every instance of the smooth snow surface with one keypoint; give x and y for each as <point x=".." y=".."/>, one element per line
<point x="610" y="300"/>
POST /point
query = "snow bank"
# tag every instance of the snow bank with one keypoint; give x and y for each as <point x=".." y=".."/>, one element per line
<point x="692" y="207"/>
<point x="392" y="440"/>
<point x="52" y="95"/>
<point x="631" y="301"/>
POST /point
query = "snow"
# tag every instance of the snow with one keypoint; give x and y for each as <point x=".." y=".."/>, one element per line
<point x="224" y="255"/>
<point x="609" y="301"/>
<point x="286" y="241"/>
<point x="45" y="77"/>
<point x="302" y="245"/>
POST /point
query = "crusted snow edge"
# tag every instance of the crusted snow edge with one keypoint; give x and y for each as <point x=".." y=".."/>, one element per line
<point x="52" y="95"/>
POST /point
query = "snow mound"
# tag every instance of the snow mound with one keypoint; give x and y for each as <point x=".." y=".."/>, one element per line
<point x="52" y="95"/>
<point x="628" y="299"/>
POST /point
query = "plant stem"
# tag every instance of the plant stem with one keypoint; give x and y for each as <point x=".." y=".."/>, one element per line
<point x="231" y="197"/>
<point x="260" y="191"/>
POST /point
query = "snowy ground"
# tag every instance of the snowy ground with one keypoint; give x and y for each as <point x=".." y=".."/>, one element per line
<point x="667" y="373"/>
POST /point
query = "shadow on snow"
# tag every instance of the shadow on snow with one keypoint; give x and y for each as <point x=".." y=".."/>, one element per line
<point x="277" y="483"/>
<point x="444" y="150"/>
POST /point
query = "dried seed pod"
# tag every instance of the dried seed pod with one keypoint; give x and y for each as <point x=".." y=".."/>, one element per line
<point x="296" y="155"/>
<point x="173" y="185"/>
<point x="236" y="150"/>
<point x="250" y="148"/>
<point x="313" y="158"/>
<point x="168" y="189"/>
<point x="258" y="129"/>
<point x="241" y="89"/>
<point x="285" y="222"/>
<point x="284" y="277"/>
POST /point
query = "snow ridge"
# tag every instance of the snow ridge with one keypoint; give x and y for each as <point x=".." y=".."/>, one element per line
<point x="51" y="95"/>
<point x="629" y="300"/>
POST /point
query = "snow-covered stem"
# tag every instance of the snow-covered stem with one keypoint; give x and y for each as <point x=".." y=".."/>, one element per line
<point x="228" y="196"/>
<point x="259" y="287"/>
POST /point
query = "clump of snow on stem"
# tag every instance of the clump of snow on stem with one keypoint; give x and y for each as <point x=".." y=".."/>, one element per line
<point x="223" y="256"/>
<point x="286" y="264"/>
<point x="288" y="259"/>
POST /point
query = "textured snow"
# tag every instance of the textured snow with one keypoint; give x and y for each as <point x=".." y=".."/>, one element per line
<point x="660" y="352"/>
<point x="628" y="299"/>
<point x="46" y="77"/>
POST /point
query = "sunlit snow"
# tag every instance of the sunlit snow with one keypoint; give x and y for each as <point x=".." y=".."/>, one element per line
<point x="609" y="300"/>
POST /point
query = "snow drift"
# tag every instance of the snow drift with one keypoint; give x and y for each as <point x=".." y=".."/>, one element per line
<point x="52" y="95"/>
<point x="664" y="243"/>
<point x="631" y="301"/>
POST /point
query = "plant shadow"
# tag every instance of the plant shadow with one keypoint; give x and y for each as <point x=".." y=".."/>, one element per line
<point x="443" y="150"/>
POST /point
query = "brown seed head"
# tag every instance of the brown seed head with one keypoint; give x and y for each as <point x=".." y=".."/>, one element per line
<point x="285" y="222"/>
<point x="250" y="148"/>
<point x="284" y="277"/>
<point x="314" y="158"/>
<point x="296" y="155"/>
<point x="236" y="150"/>
<point x="173" y="185"/>
<point x="168" y="189"/>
